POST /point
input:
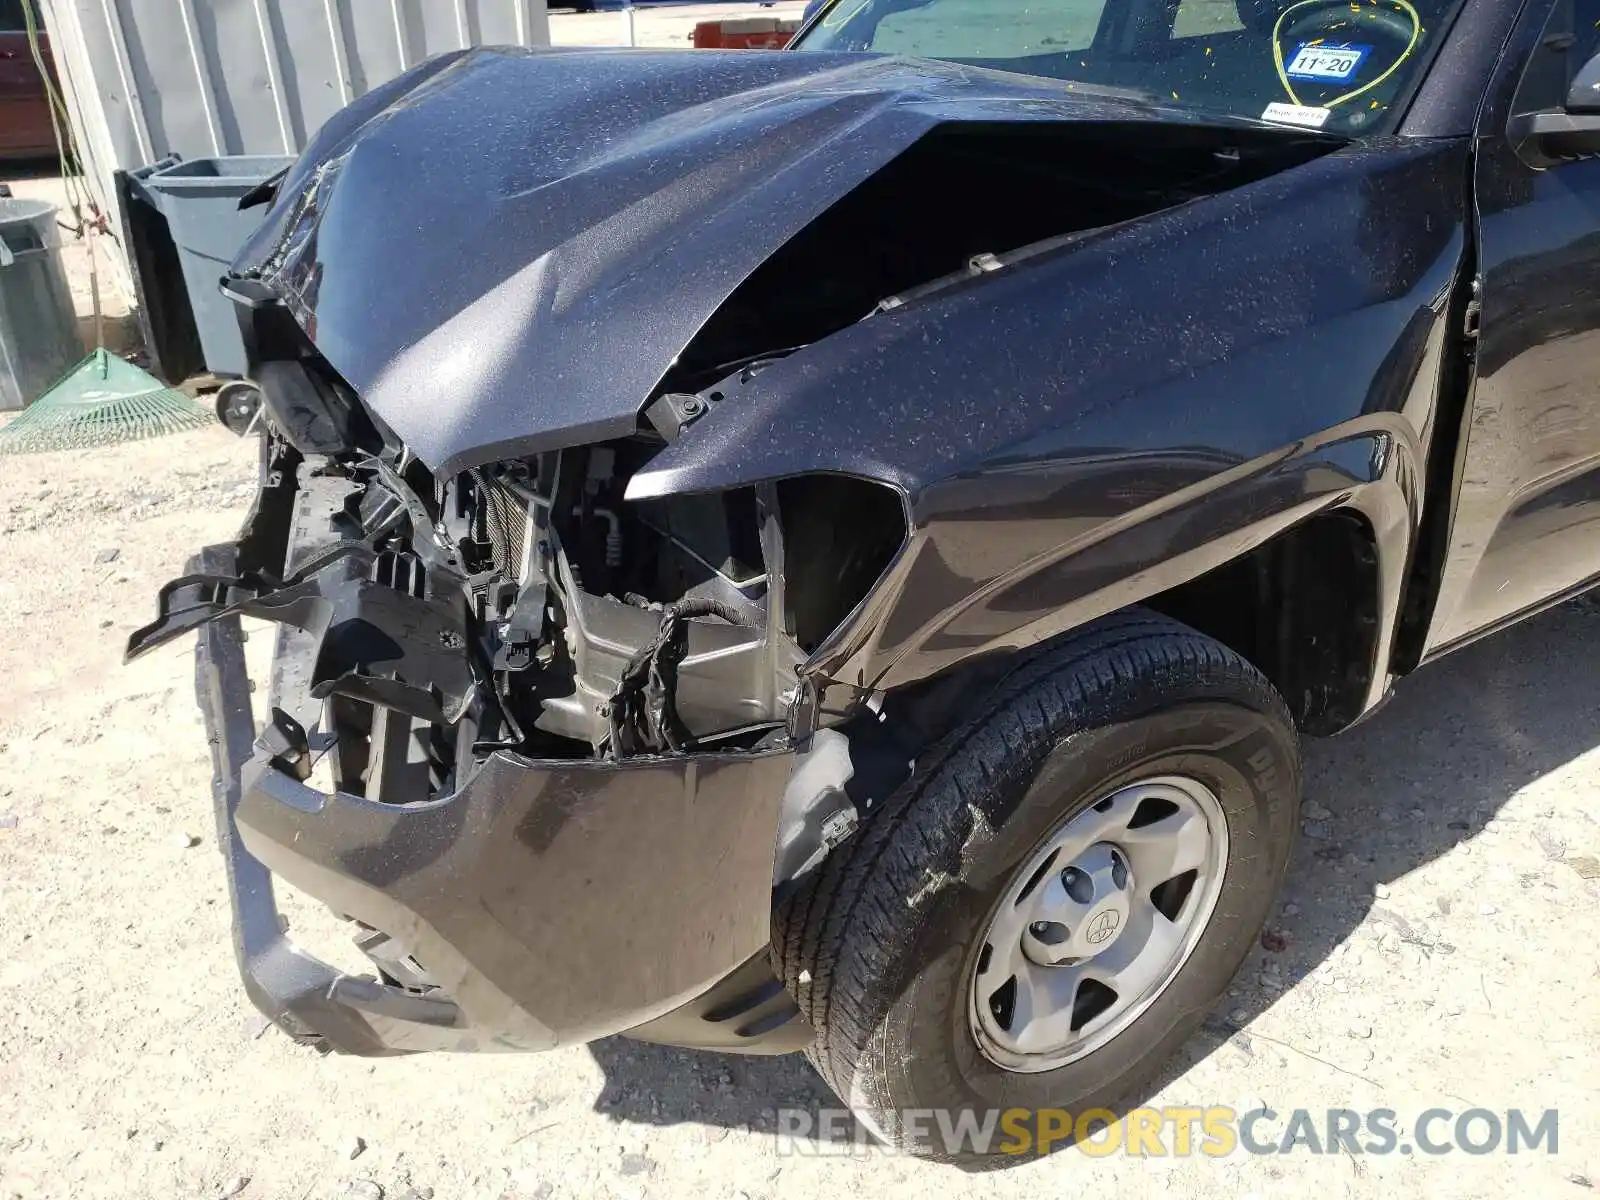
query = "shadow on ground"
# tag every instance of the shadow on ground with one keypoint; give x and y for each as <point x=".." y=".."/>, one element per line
<point x="1420" y="776"/>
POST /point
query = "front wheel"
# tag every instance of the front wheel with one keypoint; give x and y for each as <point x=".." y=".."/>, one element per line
<point x="1049" y="909"/>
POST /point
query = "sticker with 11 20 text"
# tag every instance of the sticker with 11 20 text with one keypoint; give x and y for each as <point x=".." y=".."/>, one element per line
<point x="1331" y="64"/>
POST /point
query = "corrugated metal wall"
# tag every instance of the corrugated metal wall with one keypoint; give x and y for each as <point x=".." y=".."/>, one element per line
<point x="147" y="78"/>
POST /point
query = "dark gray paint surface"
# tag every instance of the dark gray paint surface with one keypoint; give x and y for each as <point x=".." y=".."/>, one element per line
<point x="1104" y="423"/>
<point x="504" y="251"/>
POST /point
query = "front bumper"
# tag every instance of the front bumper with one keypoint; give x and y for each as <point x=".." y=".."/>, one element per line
<point x="551" y="902"/>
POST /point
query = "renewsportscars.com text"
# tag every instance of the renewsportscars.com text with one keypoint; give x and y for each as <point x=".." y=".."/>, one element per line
<point x="1179" y="1131"/>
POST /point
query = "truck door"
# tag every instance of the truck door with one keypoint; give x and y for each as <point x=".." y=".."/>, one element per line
<point x="1526" y="529"/>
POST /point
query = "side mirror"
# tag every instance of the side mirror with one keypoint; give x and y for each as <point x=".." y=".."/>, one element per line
<point x="1584" y="94"/>
<point x="1554" y="136"/>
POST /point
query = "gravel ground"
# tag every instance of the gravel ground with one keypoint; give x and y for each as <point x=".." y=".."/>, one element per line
<point x="1437" y="945"/>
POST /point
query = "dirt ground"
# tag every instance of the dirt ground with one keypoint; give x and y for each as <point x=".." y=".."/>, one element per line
<point x="1440" y="932"/>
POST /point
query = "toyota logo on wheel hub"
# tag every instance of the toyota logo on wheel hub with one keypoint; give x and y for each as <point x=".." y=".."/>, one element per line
<point x="1102" y="927"/>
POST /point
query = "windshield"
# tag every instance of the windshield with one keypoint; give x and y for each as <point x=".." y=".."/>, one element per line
<point x="1328" y="64"/>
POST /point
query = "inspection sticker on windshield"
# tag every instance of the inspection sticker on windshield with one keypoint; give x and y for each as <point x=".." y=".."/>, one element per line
<point x="1296" y="114"/>
<point x="1332" y="64"/>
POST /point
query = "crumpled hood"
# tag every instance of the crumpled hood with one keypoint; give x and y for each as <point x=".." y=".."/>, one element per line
<point x="503" y="251"/>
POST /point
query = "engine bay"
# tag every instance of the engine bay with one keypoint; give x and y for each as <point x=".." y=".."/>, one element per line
<point x="527" y="607"/>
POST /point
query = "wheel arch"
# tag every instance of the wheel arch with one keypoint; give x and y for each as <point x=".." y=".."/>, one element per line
<point x="1296" y="562"/>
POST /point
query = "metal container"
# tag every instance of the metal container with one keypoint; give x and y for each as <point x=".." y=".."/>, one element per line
<point x="200" y="200"/>
<point x="39" y="340"/>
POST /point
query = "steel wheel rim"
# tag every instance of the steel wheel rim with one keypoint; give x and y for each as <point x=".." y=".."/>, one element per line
<point x="1098" y="922"/>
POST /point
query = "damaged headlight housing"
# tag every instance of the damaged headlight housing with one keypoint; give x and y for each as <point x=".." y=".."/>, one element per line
<point x="671" y="624"/>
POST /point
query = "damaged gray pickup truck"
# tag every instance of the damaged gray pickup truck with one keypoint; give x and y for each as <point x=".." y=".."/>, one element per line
<point x="834" y="549"/>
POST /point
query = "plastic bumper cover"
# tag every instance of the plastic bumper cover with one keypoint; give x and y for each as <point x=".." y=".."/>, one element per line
<point x="553" y="902"/>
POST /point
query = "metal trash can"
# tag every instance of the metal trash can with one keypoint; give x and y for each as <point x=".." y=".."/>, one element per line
<point x="39" y="340"/>
<point x="200" y="200"/>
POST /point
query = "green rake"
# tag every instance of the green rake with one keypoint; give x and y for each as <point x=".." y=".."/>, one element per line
<point x="101" y="401"/>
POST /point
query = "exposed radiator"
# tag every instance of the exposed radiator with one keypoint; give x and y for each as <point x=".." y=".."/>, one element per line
<point x="505" y="524"/>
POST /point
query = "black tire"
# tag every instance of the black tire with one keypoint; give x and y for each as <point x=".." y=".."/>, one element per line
<point x="878" y="949"/>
